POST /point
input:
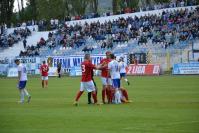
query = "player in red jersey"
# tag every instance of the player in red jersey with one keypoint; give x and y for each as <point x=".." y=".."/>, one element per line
<point x="106" y="79"/>
<point x="44" y="74"/>
<point x="86" y="80"/>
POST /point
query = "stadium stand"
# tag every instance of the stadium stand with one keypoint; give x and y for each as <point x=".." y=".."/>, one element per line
<point x="156" y="30"/>
<point x="169" y="29"/>
<point x="13" y="38"/>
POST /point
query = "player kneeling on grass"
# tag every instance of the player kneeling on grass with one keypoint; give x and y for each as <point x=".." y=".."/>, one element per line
<point x="124" y="96"/>
<point x="86" y="80"/>
<point x="22" y="80"/>
<point x="44" y="74"/>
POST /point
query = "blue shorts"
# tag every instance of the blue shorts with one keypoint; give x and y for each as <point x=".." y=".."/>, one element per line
<point x="22" y="84"/>
<point x="122" y="75"/>
<point x="116" y="83"/>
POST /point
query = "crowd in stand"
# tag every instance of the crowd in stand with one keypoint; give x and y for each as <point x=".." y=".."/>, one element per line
<point x="165" y="30"/>
<point x="33" y="50"/>
<point x="44" y="25"/>
<point x="12" y="38"/>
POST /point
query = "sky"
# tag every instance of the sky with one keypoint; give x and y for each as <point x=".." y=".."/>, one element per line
<point x="16" y="9"/>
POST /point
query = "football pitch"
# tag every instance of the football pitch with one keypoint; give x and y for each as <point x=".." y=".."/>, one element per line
<point x="164" y="104"/>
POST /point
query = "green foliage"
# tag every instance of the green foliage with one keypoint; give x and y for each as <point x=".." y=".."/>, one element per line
<point x="47" y="9"/>
<point x="132" y="3"/>
<point x="116" y="4"/>
<point x="78" y="7"/>
<point x="162" y="1"/>
<point x="6" y="11"/>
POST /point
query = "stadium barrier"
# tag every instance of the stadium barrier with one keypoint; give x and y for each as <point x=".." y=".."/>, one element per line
<point x="3" y="69"/>
<point x="76" y="60"/>
<point x="186" y="68"/>
<point x="75" y="71"/>
<point x="71" y="64"/>
<point x="52" y="71"/>
<point x="12" y="72"/>
<point x="143" y="69"/>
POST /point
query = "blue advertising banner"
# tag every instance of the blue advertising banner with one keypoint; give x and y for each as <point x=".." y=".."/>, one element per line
<point x="74" y="61"/>
<point x="186" y="68"/>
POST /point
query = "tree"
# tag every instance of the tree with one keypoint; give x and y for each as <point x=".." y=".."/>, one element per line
<point x="132" y="3"/>
<point x="66" y="7"/>
<point x="116" y="6"/>
<point x="94" y="5"/>
<point x="19" y="8"/>
<point x="6" y="11"/>
<point x="162" y="1"/>
<point x="22" y="6"/>
<point x="33" y="8"/>
<point x="78" y="6"/>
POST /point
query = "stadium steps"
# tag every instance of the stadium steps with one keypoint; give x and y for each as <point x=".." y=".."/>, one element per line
<point x="31" y="40"/>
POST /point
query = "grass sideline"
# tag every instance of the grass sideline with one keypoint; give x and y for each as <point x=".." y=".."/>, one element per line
<point x="162" y="104"/>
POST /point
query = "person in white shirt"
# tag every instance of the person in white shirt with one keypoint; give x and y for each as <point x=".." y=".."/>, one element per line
<point x="114" y="71"/>
<point x="22" y="80"/>
<point x="122" y="67"/>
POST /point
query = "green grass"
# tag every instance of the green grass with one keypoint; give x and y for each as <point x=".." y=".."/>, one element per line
<point x="164" y="104"/>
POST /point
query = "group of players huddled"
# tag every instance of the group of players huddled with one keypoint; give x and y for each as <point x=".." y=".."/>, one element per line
<point x="112" y="71"/>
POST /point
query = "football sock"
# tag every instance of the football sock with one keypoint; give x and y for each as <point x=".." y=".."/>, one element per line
<point x="112" y="92"/>
<point x="26" y="92"/>
<point x="125" y="94"/>
<point x="94" y="97"/>
<point x="78" y="95"/>
<point x="108" y="94"/>
<point x="46" y="83"/>
<point x="21" y="96"/>
<point x="42" y="84"/>
<point x="117" y="97"/>
<point x="89" y="97"/>
<point x="127" y="81"/>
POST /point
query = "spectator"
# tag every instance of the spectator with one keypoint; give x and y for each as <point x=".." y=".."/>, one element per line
<point x="24" y="43"/>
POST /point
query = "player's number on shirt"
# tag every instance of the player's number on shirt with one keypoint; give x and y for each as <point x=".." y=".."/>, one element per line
<point x="83" y="68"/>
<point x="24" y="70"/>
<point x="45" y="69"/>
<point x="123" y="66"/>
<point x="116" y="67"/>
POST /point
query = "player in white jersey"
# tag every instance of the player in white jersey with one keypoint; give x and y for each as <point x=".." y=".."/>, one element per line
<point x="122" y="66"/>
<point x="22" y="80"/>
<point x="114" y="71"/>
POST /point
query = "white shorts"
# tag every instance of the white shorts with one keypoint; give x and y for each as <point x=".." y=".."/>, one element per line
<point x="44" y="77"/>
<point x="88" y="86"/>
<point x="106" y="81"/>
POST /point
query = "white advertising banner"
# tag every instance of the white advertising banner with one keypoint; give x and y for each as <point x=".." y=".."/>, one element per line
<point x="12" y="72"/>
<point x="186" y="68"/>
<point x="52" y="71"/>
